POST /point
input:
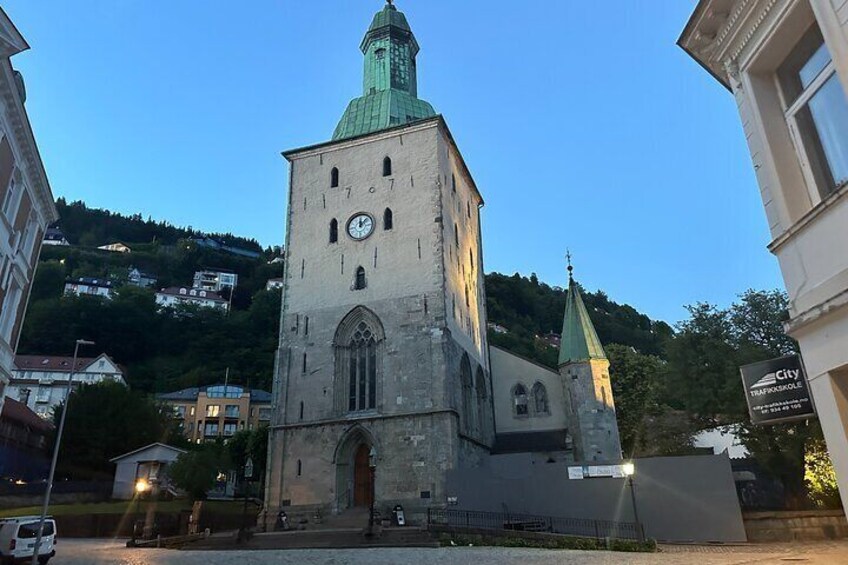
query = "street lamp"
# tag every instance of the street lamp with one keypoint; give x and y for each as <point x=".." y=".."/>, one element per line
<point x="629" y="469"/>
<point x="49" y="489"/>
<point x="141" y="486"/>
<point x="372" y="467"/>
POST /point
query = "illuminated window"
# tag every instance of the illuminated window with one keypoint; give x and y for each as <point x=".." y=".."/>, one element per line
<point x="213" y="410"/>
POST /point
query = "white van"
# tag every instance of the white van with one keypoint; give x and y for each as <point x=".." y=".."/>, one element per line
<point x="17" y="539"/>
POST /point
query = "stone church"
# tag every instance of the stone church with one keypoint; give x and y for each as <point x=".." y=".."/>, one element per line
<point x="383" y="359"/>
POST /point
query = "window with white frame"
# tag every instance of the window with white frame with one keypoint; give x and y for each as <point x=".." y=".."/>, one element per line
<point x="43" y="394"/>
<point x="10" y="198"/>
<point x="816" y="111"/>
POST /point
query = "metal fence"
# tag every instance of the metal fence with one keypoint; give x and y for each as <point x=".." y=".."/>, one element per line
<point x="508" y="521"/>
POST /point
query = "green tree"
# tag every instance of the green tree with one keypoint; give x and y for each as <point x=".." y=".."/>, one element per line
<point x="197" y="471"/>
<point x="106" y="420"/>
<point x="637" y="382"/>
<point x="704" y="359"/>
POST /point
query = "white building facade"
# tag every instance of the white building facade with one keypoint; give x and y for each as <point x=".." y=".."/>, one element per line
<point x="216" y="281"/>
<point x="175" y="296"/>
<point x="26" y="202"/>
<point x="86" y="286"/>
<point x="41" y="382"/>
<point x="786" y="64"/>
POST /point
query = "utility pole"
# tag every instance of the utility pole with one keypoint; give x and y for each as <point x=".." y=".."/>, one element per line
<point x="56" y="452"/>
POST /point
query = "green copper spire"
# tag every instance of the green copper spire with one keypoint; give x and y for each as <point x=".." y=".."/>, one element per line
<point x="390" y="80"/>
<point x="579" y="340"/>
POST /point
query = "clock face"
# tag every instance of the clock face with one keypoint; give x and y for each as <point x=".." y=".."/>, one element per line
<point x="360" y="226"/>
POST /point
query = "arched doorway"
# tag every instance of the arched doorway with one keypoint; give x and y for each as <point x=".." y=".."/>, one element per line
<point x="353" y="472"/>
<point x="363" y="493"/>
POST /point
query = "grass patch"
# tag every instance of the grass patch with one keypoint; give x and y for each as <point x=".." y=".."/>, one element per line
<point x="559" y="542"/>
<point x="123" y="507"/>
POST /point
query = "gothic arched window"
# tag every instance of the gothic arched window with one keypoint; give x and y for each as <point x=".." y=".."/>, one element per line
<point x="359" y="283"/>
<point x="334" y="231"/>
<point x="467" y="386"/>
<point x="387" y="167"/>
<point x="362" y="369"/>
<point x="519" y="396"/>
<point x="482" y="400"/>
<point x="540" y="399"/>
<point x="334" y="178"/>
<point x="388" y="220"/>
<point x="357" y="345"/>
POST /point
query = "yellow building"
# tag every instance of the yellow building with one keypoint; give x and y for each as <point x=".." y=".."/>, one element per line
<point x="210" y="412"/>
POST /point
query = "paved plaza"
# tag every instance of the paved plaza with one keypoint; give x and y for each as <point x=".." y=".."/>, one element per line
<point x="100" y="552"/>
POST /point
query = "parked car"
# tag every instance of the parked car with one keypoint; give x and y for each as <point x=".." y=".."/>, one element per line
<point x="17" y="539"/>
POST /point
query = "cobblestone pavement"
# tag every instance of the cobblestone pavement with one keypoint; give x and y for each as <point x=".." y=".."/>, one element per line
<point x="101" y="552"/>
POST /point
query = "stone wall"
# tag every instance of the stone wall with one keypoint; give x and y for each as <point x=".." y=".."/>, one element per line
<point x="808" y="525"/>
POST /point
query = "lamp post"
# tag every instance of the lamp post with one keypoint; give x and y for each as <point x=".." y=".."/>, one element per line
<point x="630" y="470"/>
<point x="372" y="467"/>
<point x="248" y="474"/>
<point x="141" y="486"/>
<point x="52" y="474"/>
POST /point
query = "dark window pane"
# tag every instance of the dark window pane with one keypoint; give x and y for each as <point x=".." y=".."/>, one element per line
<point x="803" y="64"/>
<point x="829" y="112"/>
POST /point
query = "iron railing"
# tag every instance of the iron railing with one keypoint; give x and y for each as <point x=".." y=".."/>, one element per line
<point x="510" y="521"/>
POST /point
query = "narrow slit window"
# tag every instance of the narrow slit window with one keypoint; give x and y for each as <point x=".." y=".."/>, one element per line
<point x="360" y="282"/>
<point x="301" y="410"/>
<point x="299" y="467"/>
<point x="456" y="235"/>
<point x="388" y="219"/>
<point x="334" y="178"/>
<point x="387" y="167"/>
<point x="334" y="231"/>
<point x="453" y="182"/>
<point x="304" y="363"/>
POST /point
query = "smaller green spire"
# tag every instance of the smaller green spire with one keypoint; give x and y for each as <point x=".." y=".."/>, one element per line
<point x="579" y="340"/>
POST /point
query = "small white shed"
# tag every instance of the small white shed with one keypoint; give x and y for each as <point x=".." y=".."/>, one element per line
<point x="146" y="463"/>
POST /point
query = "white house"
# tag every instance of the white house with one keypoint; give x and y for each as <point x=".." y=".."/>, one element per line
<point x="216" y="281"/>
<point x="116" y="247"/>
<point x="174" y="296"/>
<point x="140" y="278"/>
<point x="54" y="236"/>
<point x="89" y="287"/>
<point x="41" y="382"/>
<point x="146" y="463"/>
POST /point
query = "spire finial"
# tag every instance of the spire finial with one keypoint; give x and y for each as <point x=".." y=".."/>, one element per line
<point x="570" y="268"/>
<point x="390" y="2"/>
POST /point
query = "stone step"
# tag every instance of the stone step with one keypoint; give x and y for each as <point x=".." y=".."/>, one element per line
<point x="322" y="539"/>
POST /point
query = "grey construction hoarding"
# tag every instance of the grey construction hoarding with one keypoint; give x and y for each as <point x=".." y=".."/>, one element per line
<point x="776" y="391"/>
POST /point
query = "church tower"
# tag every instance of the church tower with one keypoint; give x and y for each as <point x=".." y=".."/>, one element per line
<point x="382" y="355"/>
<point x="584" y="369"/>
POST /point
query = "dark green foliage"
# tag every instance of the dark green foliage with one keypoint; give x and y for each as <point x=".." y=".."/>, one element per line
<point x="92" y="227"/>
<point x="529" y="308"/>
<point x="196" y="471"/>
<point x="704" y="360"/>
<point x="106" y="420"/>
<point x="161" y="350"/>
<point x="250" y="443"/>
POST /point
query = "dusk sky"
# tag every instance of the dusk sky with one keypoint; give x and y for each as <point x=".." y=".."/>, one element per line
<point x="583" y="123"/>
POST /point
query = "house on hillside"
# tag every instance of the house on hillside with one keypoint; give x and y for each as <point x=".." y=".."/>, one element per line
<point x="116" y="247"/>
<point x="212" y="243"/>
<point x="140" y="278"/>
<point x="40" y="382"/>
<point x="147" y="463"/>
<point x="221" y="410"/>
<point x="54" y="236"/>
<point x="174" y="296"/>
<point x="215" y="280"/>
<point x="87" y="286"/>
<point x="24" y="452"/>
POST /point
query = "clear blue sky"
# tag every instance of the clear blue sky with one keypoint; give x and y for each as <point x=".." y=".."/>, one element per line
<point x="583" y="123"/>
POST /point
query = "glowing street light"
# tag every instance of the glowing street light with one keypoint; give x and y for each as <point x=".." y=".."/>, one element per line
<point x="629" y="469"/>
<point x="141" y="486"/>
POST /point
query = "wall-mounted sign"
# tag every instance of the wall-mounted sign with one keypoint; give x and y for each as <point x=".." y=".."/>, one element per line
<point x="596" y="472"/>
<point x="777" y="391"/>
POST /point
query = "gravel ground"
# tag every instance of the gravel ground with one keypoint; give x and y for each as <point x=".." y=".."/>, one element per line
<point x="100" y="552"/>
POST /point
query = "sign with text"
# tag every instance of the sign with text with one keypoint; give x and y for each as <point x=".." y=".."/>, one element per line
<point x="777" y="391"/>
<point x="596" y="472"/>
